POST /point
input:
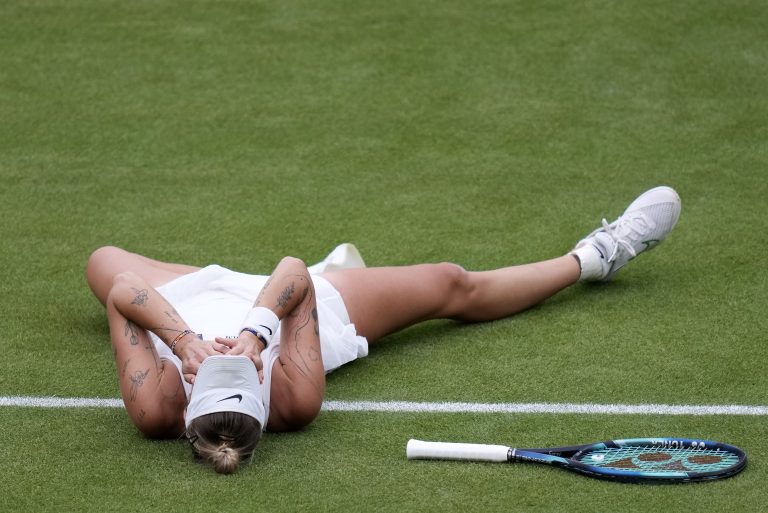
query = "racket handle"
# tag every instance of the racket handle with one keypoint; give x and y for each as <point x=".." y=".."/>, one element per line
<point x="418" y="449"/>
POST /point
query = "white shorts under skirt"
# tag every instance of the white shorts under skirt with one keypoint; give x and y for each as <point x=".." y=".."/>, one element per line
<point x="214" y="301"/>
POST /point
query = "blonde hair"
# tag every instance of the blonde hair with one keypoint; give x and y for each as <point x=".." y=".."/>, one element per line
<point x="224" y="439"/>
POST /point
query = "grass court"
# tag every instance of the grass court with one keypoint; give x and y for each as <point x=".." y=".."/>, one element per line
<point x="487" y="133"/>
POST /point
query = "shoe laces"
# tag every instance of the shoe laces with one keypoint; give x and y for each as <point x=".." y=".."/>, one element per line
<point x="625" y="230"/>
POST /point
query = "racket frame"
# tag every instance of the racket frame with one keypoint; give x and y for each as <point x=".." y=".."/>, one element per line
<point x="567" y="457"/>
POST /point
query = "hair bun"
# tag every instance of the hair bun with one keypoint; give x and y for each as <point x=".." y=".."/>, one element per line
<point x="225" y="459"/>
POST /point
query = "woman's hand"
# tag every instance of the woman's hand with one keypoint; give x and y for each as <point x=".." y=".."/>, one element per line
<point x="246" y="344"/>
<point x="193" y="351"/>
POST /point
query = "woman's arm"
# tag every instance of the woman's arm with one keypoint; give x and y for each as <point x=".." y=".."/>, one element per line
<point x="298" y="376"/>
<point x="143" y="307"/>
<point x="152" y="391"/>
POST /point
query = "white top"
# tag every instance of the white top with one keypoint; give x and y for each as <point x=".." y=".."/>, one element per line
<point x="214" y="301"/>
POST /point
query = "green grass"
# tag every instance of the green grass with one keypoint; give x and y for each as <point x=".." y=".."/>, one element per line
<point x="487" y="133"/>
<point x="349" y="462"/>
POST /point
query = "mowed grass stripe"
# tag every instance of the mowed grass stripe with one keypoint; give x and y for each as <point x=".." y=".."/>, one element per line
<point x="441" y="407"/>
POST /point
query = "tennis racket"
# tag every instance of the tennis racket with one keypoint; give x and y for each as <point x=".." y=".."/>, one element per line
<point x="632" y="461"/>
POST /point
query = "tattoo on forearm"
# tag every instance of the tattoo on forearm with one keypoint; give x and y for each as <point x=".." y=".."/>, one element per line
<point x="125" y="367"/>
<point x="263" y="289"/>
<point x="172" y="393"/>
<point x="303" y="353"/>
<point x="286" y="295"/>
<point x="173" y="316"/>
<point x="300" y="312"/>
<point x="151" y="348"/>
<point x="142" y="296"/>
<point x="137" y="380"/>
<point x="131" y="329"/>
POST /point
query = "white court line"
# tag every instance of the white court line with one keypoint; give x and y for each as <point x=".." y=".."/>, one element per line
<point x="442" y="407"/>
<point x="553" y="408"/>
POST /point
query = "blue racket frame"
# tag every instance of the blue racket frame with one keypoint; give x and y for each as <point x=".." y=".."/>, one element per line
<point x="571" y="458"/>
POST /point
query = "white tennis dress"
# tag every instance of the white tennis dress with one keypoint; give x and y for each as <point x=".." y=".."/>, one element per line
<point x="214" y="301"/>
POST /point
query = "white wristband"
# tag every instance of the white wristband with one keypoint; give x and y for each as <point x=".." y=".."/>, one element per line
<point x="263" y="320"/>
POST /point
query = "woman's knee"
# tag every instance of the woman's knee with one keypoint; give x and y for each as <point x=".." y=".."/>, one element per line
<point x="457" y="287"/>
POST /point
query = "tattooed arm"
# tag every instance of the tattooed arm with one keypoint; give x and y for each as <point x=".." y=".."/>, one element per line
<point x="298" y="377"/>
<point x="144" y="308"/>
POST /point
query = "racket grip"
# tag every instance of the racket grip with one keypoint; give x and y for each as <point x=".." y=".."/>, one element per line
<point x="418" y="449"/>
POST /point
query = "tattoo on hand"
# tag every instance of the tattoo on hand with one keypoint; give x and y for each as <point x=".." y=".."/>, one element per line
<point x="172" y="316"/>
<point x="286" y="295"/>
<point x="134" y="332"/>
<point x="137" y="380"/>
<point x="142" y="296"/>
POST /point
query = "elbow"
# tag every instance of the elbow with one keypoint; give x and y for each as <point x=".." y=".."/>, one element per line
<point x="293" y="263"/>
<point x="159" y="426"/>
<point x="127" y="280"/>
<point x="124" y="287"/>
<point x="301" y="413"/>
<point x="298" y="423"/>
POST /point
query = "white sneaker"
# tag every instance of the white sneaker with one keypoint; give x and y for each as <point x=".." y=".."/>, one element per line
<point x="645" y="223"/>
<point x="344" y="256"/>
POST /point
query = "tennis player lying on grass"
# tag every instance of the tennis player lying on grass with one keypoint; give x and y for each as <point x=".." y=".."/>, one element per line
<point x="222" y="356"/>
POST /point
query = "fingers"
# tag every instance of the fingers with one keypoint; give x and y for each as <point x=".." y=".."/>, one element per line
<point x="256" y="359"/>
<point x="235" y="346"/>
<point x="197" y="352"/>
<point x="189" y="368"/>
<point x="244" y="347"/>
<point x="229" y="342"/>
<point x="218" y="348"/>
<point x="229" y="345"/>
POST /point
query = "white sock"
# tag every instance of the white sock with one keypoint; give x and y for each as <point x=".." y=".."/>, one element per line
<point x="590" y="261"/>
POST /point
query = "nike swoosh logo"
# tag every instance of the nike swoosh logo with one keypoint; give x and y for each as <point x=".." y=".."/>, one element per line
<point x="239" y="398"/>
<point x="266" y="328"/>
<point x="650" y="243"/>
<point x="598" y="250"/>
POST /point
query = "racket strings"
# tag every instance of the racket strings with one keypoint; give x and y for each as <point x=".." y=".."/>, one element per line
<point x="660" y="459"/>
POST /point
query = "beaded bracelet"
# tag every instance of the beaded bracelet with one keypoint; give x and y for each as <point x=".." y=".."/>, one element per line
<point x="178" y="338"/>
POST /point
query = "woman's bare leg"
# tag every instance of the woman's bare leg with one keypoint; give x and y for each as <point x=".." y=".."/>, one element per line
<point x="386" y="299"/>
<point x="108" y="261"/>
